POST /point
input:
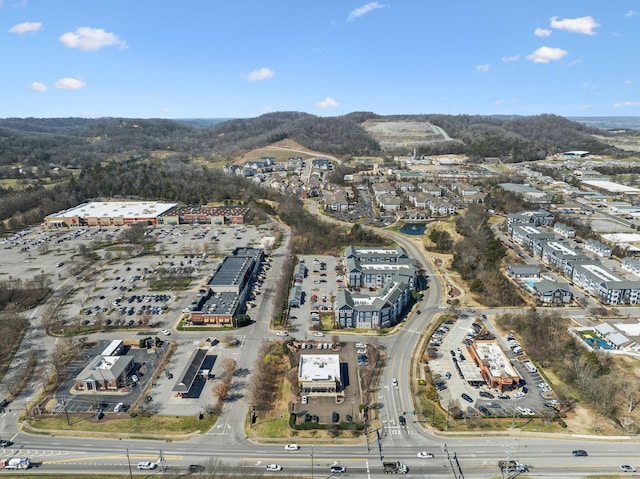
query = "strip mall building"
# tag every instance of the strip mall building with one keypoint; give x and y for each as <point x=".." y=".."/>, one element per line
<point x="123" y="213"/>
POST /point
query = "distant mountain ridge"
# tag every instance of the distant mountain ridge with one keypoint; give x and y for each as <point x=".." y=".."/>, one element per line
<point x="79" y="142"/>
<point x="610" y="122"/>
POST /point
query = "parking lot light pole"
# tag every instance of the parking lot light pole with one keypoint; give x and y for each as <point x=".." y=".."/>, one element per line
<point x="66" y="412"/>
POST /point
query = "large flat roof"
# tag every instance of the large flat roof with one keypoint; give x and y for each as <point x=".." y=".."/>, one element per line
<point x="116" y="209"/>
<point x="611" y="186"/>
<point x="231" y="271"/>
<point x="319" y="367"/>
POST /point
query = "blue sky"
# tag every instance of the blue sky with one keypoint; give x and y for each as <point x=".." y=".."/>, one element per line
<point x="243" y="58"/>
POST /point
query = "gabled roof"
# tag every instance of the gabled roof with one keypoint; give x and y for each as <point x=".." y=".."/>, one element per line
<point x="190" y="371"/>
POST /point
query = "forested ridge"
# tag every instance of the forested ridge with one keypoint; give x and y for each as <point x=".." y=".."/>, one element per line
<point x="76" y="142"/>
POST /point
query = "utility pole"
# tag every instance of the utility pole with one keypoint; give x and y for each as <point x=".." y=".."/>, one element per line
<point x="129" y="462"/>
<point x="161" y="463"/>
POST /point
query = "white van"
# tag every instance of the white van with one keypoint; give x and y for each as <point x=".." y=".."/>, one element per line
<point x="147" y="465"/>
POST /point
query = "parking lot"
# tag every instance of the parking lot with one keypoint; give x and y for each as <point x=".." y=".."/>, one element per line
<point x="145" y="362"/>
<point x="453" y="366"/>
<point x="115" y="297"/>
<point x="347" y="405"/>
<point x="319" y="288"/>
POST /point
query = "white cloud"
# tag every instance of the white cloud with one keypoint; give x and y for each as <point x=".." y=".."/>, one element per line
<point x="512" y="58"/>
<point x="164" y="109"/>
<point x="37" y="86"/>
<point x="25" y="27"/>
<point x="631" y="13"/>
<point x="586" y="106"/>
<point x="70" y="84"/>
<point x="542" y="32"/>
<point x="627" y="103"/>
<point x="628" y="82"/>
<point x="260" y="74"/>
<point x="363" y="10"/>
<point x="327" y="103"/>
<point x="498" y="102"/>
<point x="583" y="25"/>
<point x="87" y="38"/>
<point x="483" y="68"/>
<point x="547" y="54"/>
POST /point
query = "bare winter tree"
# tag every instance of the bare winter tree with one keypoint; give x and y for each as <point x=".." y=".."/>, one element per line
<point x="229" y="366"/>
<point x="630" y="391"/>
<point x="221" y="390"/>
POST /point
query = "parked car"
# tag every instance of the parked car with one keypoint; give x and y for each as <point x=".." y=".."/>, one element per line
<point x="466" y="397"/>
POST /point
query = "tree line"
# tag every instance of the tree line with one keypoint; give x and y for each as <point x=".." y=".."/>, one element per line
<point x="595" y="378"/>
<point x="478" y="257"/>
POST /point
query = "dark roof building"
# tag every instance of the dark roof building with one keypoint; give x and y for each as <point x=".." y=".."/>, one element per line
<point x="190" y="372"/>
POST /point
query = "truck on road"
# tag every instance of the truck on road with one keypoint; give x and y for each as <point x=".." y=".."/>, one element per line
<point x="394" y="467"/>
<point x="17" y="463"/>
<point x="512" y="466"/>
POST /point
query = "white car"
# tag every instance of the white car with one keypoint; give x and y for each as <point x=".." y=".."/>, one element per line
<point x="304" y="399"/>
<point x="394" y="382"/>
<point x="147" y="465"/>
<point x="291" y="447"/>
<point x="519" y="394"/>
<point x="135" y="378"/>
<point x="274" y="467"/>
<point x="425" y="455"/>
<point x="627" y="468"/>
<point x="319" y="334"/>
<point x="282" y="333"/>
<point x="166" y="332"/>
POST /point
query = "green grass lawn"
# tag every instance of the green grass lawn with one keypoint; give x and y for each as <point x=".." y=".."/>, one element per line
<point x="152" y="425"/>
